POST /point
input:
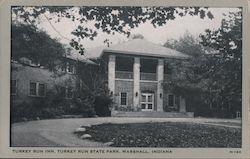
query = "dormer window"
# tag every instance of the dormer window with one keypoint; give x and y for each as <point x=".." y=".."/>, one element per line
<point x="29" y="62"/>
<point x="69" y="67"/>
<point x="34" y="63"/>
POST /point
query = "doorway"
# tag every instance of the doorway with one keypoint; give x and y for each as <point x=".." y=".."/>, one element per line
<point x="147" y="101"/>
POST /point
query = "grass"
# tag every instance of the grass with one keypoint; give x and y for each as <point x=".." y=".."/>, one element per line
<point x="168" y="134"/>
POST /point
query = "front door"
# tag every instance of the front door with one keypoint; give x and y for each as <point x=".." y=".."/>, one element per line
<point x="147" y="101"/>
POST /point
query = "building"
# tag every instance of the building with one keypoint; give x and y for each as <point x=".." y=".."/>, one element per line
<point x="136" y="71"/>
<point x="30" y="80"/>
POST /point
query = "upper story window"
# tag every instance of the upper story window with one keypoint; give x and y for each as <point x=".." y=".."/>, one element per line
<point x="69" y="67"/>
<point x="37" y="89"/>
<point x="167" y="69"/>
<point x="13" y="87"/>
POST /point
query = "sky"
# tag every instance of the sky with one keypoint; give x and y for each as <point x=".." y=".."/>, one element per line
<point x="173" y="29"/>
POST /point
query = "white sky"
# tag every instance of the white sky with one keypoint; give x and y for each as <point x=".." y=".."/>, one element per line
<point x="173" y="29"/>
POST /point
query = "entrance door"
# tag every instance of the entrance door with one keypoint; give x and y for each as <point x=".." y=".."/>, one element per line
<point x="147" y="101"/>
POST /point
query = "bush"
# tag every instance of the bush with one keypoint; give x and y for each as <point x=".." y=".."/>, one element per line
<point x="102" y="105"/>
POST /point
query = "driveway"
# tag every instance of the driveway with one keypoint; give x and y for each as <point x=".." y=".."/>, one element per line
<point x="59" y="132"/>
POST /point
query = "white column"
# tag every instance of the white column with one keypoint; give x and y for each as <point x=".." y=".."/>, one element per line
<point x="136" y="70"/>
<point x="182" y="104"/>
<point x="160" y="76"/>
<point x="111" y="73"/>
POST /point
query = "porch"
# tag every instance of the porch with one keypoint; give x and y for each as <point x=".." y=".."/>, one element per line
<point x="152" y="114"/>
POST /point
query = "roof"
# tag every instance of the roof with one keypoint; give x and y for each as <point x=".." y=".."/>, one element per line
<point x="136" y="47"/>
<point x="78" y="57"/>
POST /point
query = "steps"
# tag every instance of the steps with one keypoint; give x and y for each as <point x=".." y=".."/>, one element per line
<point x="152" y="114"/>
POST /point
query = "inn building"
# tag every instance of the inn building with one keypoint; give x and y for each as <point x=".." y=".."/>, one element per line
<point x="136" y="71"/>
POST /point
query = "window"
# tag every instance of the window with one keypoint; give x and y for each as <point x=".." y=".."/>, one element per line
<point x="171" y="100"/>
<point x="71" y="68"/>
<point x="41" y="89"/>
<point x="123" y="98"/>
<point x="33" y="88"/>
<point x="67" y="92"/>
<point x="167" y="69"/>
<point x="68" y="67"/>
<point x="13" y="87"/>
<point x="37" y="89"/>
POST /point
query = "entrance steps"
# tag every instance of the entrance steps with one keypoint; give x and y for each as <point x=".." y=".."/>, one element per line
<point x="153" y="114"/>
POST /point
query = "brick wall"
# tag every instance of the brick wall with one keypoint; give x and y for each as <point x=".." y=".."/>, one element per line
<point x="124" y="86"/>
<point x="25" y="74"/>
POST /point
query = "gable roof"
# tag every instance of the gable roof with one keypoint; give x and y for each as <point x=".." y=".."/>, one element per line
<point x="136" y="47"/>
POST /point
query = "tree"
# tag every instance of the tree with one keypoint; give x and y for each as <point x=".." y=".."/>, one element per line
<point x="137" y="36"/>
<point x="212" y="81"/>
<point x="110" y="20"/>
<point x="28" y="41"/>
<point x="227" y="75"/>
<point x="187" y="44"/>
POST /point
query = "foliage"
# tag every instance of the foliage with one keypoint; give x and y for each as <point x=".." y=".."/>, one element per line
<point x="54" y="105"/>
<point x="227" y="75"/>
<point x="211" y="82"/>
<point x="169" y="134"/>
<point x="93" y="85"/>
<point x="137" y="36"/>
<point x="110" y="20"/>
<point x="186" y="44"/>
<point x="30" y="42"/>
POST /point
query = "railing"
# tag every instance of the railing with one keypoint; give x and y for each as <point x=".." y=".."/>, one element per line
<point x="124" y="74"/>
<point x="143" y="76"/>
<point x="148" y="76"/>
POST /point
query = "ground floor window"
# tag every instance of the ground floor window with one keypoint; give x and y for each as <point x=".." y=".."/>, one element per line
<point x="171" y="100"/>
<point x="13" y="87"/>
<point x="67" y="92"/>
<point x="37" y="89"/>
<point x="123" y="100"/>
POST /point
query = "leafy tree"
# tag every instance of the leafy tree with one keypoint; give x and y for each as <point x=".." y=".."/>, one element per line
<point x="227" y="74"/>
<point x="187" y="44"/>
<point x="28" y="41"/>
<point x="211" y="82"/>
<point x="137" y="36"/>
<point x="110" y="20"/>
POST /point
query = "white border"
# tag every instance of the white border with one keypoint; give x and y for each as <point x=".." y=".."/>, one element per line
<point x="5" y="17"/>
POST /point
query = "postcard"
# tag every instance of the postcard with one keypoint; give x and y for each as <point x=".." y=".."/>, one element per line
<point x="124" y="79"/>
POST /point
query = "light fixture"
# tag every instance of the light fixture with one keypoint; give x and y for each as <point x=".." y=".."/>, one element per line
<point x="136" y="94"/>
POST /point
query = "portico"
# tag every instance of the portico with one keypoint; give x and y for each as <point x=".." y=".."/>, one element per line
<point x="147" y="92"/>
<point x="137" y="70"/>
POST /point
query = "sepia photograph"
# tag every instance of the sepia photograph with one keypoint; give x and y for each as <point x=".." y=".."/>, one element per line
<point x="129" y="77"/>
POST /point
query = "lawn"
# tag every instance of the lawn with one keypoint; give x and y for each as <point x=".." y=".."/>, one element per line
<point x="168" y="134"/>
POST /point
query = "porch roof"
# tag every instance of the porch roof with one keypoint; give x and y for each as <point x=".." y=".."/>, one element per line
<point x="139" y="47"/>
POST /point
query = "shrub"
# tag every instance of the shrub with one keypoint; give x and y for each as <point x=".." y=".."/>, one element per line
<point x="102" y="105"/>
